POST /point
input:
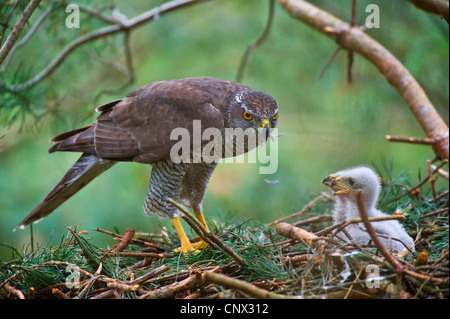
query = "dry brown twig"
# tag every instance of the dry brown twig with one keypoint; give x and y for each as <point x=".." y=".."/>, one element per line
<point x="296" y="233"/>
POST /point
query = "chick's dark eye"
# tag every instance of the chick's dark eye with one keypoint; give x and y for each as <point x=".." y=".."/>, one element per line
<point x="351" y="182"/>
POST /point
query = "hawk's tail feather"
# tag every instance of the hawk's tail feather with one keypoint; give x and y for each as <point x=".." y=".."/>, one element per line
<point x="79" y="175"/>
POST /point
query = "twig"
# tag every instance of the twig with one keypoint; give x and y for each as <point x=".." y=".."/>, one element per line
<point x="59" y="294"/>
<point x="440" y="172"/>
<point x="141" y="254"/>
<point x="243" y="286"/>
<point x="129" y="68"/>
<point x="329" y="60"/>
<point x="129" y="233"/>
<point x="126" y="25"/>
<point x="256" y="43"/>
<point x="16" y="292"/>
<point x="436" y="212"/>
<point x="123" y="287"/>
<point x="133" y="241"/>
<point x="350" y="52"/>
<point x="431" y="179"/>
<point x="344" y="224"/>
<point x="171" y="290"/>
<point x="151" y="274"/>
<point x="5" y="22"/>
<point x="412" y="140"/>
<point x="17" y="29"/>
<point x="313" y="220"/>
<point x="399" y="268"/>
<point x="95" y="13"/>
<point x="207" y="235"/>
<point x="289" y="231"/>
<point x="74" y="267"/>
<point x="306" y="209"/>
<point x="353" y="283"/>
<point x="421" y="183"/>
<point x="438" y="7"/>
<point x="27" y="37"/>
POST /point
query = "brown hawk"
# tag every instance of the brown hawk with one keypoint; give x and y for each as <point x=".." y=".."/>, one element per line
<point x="138" y="128"/>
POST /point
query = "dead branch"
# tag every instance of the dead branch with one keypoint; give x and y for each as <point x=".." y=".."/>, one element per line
<point x="355" y="39"/>
<point x="17" y="29"/>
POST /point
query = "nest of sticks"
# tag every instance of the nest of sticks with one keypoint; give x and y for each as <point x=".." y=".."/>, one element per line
<point x="297" y="256"/>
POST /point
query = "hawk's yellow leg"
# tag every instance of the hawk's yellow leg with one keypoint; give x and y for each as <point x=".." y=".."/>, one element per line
<point x="186" y="244"/>
<point x="201" y="244"/>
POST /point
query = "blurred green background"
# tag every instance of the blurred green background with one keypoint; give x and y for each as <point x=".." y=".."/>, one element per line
<point x="327" y="125"/>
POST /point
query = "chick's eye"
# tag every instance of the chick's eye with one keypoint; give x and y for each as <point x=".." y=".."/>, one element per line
<point x="351" y="182"/>
<point x="275" y="117"/>
<point x="247" y="116"/>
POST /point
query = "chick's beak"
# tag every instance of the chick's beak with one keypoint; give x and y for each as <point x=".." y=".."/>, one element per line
<point x="328" y="181"/>
<point x="265" y="124"/>
<point x="334" y="182"/>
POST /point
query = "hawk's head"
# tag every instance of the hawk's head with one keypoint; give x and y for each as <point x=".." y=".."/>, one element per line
<point x="252" y="109"/>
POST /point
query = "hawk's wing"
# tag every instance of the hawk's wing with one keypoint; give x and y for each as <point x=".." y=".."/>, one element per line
<point x="137" y="128"/>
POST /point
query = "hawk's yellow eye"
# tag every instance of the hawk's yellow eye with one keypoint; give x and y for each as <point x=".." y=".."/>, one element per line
<point x="247" y="116"/>
<point x="275" y="116"/>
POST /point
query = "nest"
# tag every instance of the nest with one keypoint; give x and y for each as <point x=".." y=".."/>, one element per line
<point x="298" y="256"/>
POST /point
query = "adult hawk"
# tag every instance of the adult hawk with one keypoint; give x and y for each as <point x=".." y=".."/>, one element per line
<point x="138" y="128"/>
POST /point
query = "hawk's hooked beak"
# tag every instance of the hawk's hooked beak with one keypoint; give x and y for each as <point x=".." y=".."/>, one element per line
<point x="265" y="124"/>
<point x="334" y="182"/>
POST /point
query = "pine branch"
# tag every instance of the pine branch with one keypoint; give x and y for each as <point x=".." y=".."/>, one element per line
<point x="17" y="29"/>
<point x="122" y="26"/>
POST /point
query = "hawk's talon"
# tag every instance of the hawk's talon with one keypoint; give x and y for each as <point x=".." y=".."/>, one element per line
<point x="191" y="247"/>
